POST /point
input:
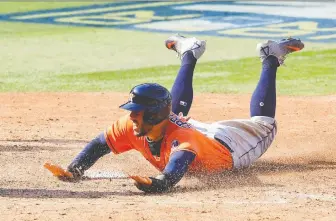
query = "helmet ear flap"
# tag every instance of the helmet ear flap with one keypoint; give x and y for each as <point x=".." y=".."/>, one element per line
<point x="157" y="117"/>
<point x="149" y="117"/>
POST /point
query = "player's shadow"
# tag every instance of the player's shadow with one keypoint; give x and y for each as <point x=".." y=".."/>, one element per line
<point x="249" y="176"/>
<point x="226" y="180"/>
<point x="47" y="193"/>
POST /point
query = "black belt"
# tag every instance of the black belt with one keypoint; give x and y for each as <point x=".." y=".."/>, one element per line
<point x="224" y="144"/>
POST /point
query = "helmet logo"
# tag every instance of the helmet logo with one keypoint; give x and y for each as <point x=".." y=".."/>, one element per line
<point x="131" y="97"/>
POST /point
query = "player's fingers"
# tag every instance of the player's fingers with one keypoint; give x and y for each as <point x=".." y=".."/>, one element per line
<point x="142" y="180"/>
<point x="57" y="171"/>
<point x="68" y="174"/>
<point x="67" y="179"/>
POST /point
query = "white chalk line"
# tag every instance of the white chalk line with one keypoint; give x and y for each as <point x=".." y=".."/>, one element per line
<point x="273" y="197"/>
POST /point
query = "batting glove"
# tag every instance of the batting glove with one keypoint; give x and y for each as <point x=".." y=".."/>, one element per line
<point x="150" y="184"/>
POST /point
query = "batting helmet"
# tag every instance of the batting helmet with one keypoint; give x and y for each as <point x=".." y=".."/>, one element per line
<point x="152" y="98"/>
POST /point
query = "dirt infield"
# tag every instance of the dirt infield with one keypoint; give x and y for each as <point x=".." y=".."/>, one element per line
<point x="294" y="180"/>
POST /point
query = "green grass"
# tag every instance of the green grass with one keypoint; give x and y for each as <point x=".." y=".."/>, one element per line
<point x="305" y="73"/>
<point x="10" y="29"/>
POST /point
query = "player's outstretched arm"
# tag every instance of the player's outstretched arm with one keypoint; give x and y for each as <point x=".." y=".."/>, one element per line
<point x="94" y="150"/>
<point x="174" y="171"/>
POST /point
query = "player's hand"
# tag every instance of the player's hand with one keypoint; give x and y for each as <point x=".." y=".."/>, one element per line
<point x="71" y="177"/>
<point x="150" y="184"/>
<point x="141" y="182"/>
<point x="61" y="173"/>
<point x="186" y="118"/>
<point x="67" y="179"/>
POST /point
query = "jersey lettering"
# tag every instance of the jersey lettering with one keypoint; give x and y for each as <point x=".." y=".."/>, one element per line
<point x="178" y="121"/>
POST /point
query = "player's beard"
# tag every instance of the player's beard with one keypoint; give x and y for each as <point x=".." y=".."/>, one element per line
<point x="143" y="130"/>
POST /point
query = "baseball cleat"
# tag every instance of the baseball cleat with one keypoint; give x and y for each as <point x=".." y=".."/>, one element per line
<point x="181" y="45"/>
<point x="279" y="49"/>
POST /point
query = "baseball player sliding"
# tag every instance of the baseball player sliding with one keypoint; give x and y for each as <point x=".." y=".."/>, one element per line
<point x="155" y="127"/>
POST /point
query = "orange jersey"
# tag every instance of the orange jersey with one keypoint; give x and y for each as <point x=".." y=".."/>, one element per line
<point x="211" y="156"/>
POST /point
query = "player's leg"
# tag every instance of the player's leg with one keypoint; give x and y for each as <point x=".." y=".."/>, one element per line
<point x="182" y="89"/>
<point x="189" y="50"/>
<point x="247" y="147"/>
<point x="263" y="101"/>
<point x="272" y="54"/>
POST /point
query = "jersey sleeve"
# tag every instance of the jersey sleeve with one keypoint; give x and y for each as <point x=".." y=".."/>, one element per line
<point x="186" y="141"/>
<point x="117" y="135"/>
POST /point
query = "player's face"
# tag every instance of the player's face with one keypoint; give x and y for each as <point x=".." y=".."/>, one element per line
<point x="140" y="128"/>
